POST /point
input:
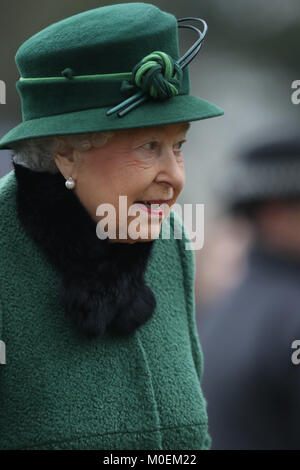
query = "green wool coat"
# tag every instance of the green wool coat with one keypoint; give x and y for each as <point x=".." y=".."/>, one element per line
<point x="62" y="391"/>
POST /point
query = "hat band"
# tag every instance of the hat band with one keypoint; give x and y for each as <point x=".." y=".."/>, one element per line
<point x="48" y="96"/>
<point x="263" y="181"/>
<point x="68" y="73"/>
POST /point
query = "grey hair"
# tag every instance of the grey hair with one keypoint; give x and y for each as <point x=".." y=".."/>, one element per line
<point x="38" y="154"/>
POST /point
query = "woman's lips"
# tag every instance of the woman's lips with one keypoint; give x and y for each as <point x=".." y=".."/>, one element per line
<point x="159" y="211"/>
<point x="157" y="201"/>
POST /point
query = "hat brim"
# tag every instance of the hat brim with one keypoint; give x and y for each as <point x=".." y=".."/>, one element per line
<point x="181" y="108"/>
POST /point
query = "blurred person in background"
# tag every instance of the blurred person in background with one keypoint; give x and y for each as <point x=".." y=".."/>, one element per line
<point x="250" y="381"/>
<point x="221" y="262"/>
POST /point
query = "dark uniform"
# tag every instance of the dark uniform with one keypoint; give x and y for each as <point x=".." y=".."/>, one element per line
<point x="250" y="381"/>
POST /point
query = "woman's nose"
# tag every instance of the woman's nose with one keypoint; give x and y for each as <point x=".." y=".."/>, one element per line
<point x="170" y="168"/>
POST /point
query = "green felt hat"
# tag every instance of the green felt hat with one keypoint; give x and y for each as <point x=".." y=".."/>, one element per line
<point x="74" y="72"/>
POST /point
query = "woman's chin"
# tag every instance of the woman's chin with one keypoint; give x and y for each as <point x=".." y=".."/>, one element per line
<point x="147" y="234"/>
<point x="130" y="241"/>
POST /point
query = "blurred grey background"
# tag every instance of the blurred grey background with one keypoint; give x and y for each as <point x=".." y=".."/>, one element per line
<point x="248" y="61"/>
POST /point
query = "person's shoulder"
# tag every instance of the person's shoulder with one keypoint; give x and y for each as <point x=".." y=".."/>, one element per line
<point x="174" y="236"/>
<point x="8" y="185"/>
<point x="8" y="210"/>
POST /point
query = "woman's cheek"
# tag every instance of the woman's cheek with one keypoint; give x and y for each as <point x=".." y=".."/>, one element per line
<point x="142" y="159"/>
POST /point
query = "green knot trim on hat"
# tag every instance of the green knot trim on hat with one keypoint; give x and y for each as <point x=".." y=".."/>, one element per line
<point x="158" y="75"/>
<point x="163" y="76"/>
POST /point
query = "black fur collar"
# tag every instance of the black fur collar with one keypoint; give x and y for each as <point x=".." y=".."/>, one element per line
<point x="102" y="286"/>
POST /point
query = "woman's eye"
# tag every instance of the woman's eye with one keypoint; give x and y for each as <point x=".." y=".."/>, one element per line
<point x="179" y="145"/>
<point x="150" y="145"/>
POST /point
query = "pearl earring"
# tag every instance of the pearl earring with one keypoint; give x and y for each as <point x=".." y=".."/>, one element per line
<point x="70" y="183"/>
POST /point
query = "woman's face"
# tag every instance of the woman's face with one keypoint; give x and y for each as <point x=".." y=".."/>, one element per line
<point x="143" y="164"/>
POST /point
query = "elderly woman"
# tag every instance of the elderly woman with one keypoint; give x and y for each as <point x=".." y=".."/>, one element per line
<point x="99" y="348"/>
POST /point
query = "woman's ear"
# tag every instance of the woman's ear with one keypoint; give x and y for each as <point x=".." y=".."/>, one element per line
<point x="67" y="163"/>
